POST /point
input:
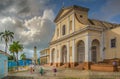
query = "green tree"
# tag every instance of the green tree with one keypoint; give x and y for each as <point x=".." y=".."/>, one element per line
<point x="10" y="57"/>
<point x="23" y="56"/>
<point x="7" y="36"/>
<point x="16" y="47"/>
<point x="12" y="51"/>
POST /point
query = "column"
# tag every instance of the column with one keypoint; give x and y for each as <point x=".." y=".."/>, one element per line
<point x="60" y="56"/>
<point x="56" y="59"/>
<point x="68" y="23"/>
<point x="73" y="23"/>
<point x="68" y="54"/>
<point x="56" y="54"/>
<point x="50" y="57"/>
<point x="73" y="53"/>
<point x="87" y="52"/>
<point x="88" y="49"/>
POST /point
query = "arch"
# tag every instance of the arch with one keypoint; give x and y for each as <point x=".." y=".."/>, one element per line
<point x="80" y="47"/>
<point x="63" y="30"/>
<point x="53" y="55"/>
<point x="64" y="54"/>
<point x="95" y="51"/>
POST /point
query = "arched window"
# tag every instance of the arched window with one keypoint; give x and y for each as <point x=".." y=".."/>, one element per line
<point x="63" y="30"/>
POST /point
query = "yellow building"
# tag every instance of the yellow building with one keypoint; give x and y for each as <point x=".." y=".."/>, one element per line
<point x="79" y="40"/>
<point x="44" y="56"/>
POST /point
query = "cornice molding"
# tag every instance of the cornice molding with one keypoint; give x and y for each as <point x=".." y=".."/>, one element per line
<point x="75" y="33"/>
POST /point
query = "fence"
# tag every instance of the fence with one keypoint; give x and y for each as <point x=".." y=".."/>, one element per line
<point x="12" y="65"/>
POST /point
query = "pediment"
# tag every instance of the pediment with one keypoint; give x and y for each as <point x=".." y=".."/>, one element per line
<point x="66" y="10"/>
<point x="63" y="12"/>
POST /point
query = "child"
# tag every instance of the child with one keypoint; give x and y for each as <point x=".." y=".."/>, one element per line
<point x="31" y="69"/>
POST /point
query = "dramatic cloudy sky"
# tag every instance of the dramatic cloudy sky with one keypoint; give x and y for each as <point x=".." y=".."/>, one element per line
<point x="32" y="20"/>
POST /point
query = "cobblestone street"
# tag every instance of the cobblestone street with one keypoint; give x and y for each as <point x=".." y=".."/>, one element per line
<point x="68" y="73"/>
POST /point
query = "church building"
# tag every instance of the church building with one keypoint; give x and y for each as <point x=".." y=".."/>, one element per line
<point x="79" y="40"/>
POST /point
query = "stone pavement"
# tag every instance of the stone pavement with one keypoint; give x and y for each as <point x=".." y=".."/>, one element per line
<point x="68" y="73"/>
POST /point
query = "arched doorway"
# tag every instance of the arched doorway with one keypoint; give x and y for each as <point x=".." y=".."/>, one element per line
<point x="80" y="51"/>
<point x="53" y="56"/>
<point x="95" y="50"/>
<point x="64" y="54"/>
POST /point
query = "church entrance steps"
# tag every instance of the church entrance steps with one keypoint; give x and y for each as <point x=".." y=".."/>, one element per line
<point x="80" y="66"/>
<point x="118" y="68"/>
<point x="63" y="66"/>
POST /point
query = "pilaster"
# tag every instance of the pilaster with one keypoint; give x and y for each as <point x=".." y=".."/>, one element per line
<point x="88" y="49"/>
<point x="102" y="46"/>
<point x="87" y="62"/>
<point x="73" y="24"/>
<point x="68" y="23"/>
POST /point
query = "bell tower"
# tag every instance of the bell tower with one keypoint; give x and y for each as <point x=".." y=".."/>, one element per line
<point x="35" y="55"/>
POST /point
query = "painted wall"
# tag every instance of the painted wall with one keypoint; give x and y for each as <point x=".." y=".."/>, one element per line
<point x="3" y="65"/>
<point x="112" y="52"/>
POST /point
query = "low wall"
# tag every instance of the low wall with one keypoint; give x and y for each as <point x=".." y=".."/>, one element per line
<point x="102" y="67"/>
<point x="110" y="61"/>
<point x="18" y="69"/>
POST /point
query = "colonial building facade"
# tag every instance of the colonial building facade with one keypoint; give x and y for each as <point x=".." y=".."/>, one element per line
<point x="79" y="40"/>
<point x="45" y="56"/>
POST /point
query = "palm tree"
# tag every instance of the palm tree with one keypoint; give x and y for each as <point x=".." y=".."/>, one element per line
<point x="7" y="36"/>
<point x="10" y="57"/>
<point x="23" y="56"/>
<point x="16" y="47"/>
<point x="12" y="50"/>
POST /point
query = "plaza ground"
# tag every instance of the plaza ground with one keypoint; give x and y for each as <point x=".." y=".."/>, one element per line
<point x="66" y="73"/>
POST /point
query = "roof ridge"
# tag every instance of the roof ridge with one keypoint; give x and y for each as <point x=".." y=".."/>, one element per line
<point x="73" y="6"/>
<point x="105" y="21"/>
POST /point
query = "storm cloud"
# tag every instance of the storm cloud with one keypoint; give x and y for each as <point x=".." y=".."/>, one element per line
<point x="30" y="20"/>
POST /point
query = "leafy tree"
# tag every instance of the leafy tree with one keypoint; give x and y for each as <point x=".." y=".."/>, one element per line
<point x="7" y="36"/>
<point x="23" y="56"/>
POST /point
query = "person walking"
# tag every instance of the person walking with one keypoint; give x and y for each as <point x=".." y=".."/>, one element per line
<point x="31" y="69"/>
<point x="54" y="70"/>
<point x="115" y="66"/>
<point x="41" y="71"/>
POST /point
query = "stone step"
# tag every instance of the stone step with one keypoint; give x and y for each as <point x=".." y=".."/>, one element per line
<point x="80" y="66"/>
